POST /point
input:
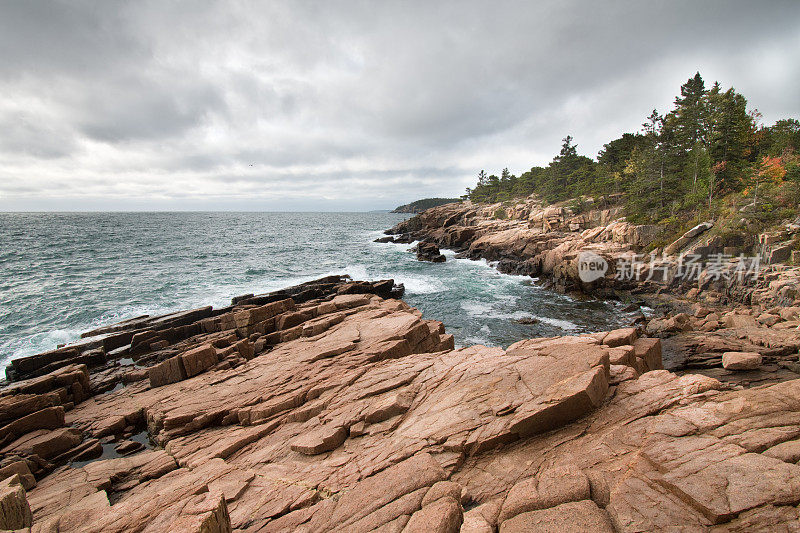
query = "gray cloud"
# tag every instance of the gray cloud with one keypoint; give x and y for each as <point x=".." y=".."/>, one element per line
<point x="323" y="105"/>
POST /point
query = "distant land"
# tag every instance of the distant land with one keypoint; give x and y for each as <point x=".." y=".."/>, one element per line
<point x="426" y="203"/>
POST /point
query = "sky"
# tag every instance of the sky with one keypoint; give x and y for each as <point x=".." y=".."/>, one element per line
<point x="339" y="106"/>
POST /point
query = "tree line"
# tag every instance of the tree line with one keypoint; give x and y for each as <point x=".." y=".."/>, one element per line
<point x="709" y="153"/>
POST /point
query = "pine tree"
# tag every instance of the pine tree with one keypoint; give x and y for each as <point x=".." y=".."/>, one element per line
<point x="568" y="150"/>
<point x="730" y="128"/>
<point x="689" y="122"/>
<point x="652" y="134"/>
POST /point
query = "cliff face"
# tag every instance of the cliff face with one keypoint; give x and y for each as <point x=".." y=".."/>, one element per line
<point x="342" y="409"/>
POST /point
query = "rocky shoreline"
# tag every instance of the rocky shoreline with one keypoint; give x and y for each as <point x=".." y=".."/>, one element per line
<point x="699" y="319"/>
<point x="334" y="406"/>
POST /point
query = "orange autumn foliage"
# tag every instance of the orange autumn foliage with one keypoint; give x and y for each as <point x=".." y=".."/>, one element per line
<point x="772" y="168"/>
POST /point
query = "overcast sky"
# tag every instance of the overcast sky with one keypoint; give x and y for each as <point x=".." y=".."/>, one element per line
<point x="348" y="105"/>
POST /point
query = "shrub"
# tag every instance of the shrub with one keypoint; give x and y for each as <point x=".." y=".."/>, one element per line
<point x="579" y="205"/>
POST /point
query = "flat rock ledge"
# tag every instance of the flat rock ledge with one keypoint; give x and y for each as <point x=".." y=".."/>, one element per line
<point x="336" y="407"/>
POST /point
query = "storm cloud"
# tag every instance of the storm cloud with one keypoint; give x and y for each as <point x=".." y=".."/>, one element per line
<point x="348" y="105"/>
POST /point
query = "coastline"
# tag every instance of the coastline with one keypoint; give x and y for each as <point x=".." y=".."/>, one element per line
<point x="404" y="267"/>
<point x="333" y="404"/>
<point x="699" y="319"/>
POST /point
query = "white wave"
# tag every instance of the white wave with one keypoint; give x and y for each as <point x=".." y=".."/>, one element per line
<point x="487" y="310"/>
<point x="473" y="340"/>
<point x="356" y="271"/>
<point x="420" y="284"/>
<point x="474" y="308"/>
<point x="566" y="325"/>
<point x="40" y="342"/>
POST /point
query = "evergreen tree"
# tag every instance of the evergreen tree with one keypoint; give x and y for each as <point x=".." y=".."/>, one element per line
<point x="730" y="129"/>
<point x="783" y="136"/>
<point x="688" y="121"/>
<point x="708" y="146"/>
<point x="612" y="160"/>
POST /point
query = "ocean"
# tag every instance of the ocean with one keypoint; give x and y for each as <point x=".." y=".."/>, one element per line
<point x="64" y="273"/>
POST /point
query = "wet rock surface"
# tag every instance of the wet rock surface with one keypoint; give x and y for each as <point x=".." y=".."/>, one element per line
<point x="428" y="251"/>
<point x="346" y="410"/>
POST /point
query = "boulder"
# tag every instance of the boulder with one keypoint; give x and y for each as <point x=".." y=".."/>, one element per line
<point x="649" y="351"/>
<point x="290" y="320"/>
<point x="110" y="425"/>
<point x="620" y="373"/>
<point x="475" y="523"/>
<point x="789" y="313"/>
<point x="21" y="469"/>
<point x="780" y="253"/>
<point x="788" y="452"/>
<point x="15" y="513"/>
<point x="562" y="403"/>
<point x="737" y="321"/>
<point x="198" y="360"/>
<point x="701" y="311"/>
<point x="584" y="515"/>
<point x="620" y="337"/>
<point x="622" y="355"/>
<point x="127" y="447"/>
<point x="698" y="229"/>
<point x="428" y="251"/>
<point x="349" y="301"/>
<point x="170" y="371"/>
<point x="246" y="349"/>
<point x="741" y="360"/>
<point x="44" y="443"/>
<point x="663" y="327"/>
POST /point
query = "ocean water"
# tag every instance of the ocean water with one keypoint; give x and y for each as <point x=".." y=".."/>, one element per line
<point x="64" y="273"/>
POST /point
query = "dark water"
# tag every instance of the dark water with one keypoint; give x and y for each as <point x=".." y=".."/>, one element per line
<point x="64" y="273"/>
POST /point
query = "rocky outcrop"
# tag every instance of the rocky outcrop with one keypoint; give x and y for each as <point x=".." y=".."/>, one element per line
<point x="351" y="412"/>
<point x="146" y="339"/>
<point x="533" y="240"/>
<point x="546" y="241"/>
<point x="428" y="251"/>
<point x="747" y="307"/>
<point x="681" y="242"/>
